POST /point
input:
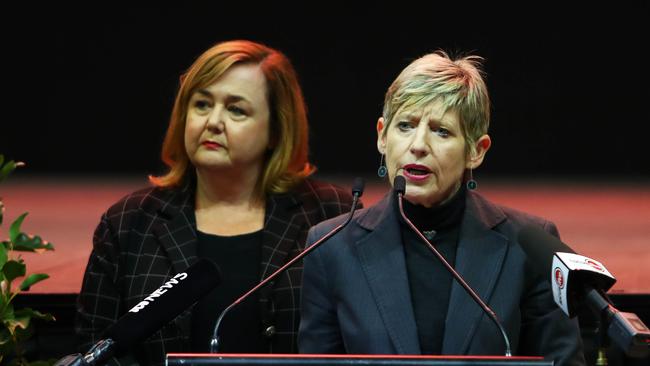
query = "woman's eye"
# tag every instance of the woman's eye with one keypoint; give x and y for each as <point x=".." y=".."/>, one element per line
<point x="202" y="105"/>
<point x="404" y="126"/>
<point x="442" y="132"/>
<point x="236" y="111"/>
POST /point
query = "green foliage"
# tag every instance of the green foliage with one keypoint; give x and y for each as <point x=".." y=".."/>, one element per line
<point x="16" y="324"/>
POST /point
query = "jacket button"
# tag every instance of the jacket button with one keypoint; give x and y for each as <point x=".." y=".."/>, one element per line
<point x="269" y="331"/>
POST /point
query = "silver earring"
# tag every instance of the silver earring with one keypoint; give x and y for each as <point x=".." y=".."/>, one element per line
<point x="471" y="183"/>
<point x="382" y="171"/>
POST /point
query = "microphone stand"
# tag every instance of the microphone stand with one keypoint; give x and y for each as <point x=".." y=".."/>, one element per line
<point x="400" y="188"/>
<point x="357" y="191"/>
<point x="626" y="329"/>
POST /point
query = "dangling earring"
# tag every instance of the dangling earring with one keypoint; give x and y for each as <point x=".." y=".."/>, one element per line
<point x="471" y="183"/>
<point x="382" y="171"/>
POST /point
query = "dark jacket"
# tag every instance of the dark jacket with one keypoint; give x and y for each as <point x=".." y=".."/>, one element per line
<point x="356" y="296"/>
<point x="150" y="235"/>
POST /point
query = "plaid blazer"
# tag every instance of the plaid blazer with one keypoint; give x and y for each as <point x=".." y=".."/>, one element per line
<point x="150" y="235"/>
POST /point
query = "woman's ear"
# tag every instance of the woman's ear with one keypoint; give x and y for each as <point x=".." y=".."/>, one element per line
<point x="481" y="146"/>
<point x="381" y="138"/>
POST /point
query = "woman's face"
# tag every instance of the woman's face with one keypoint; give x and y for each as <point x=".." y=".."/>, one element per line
<point x="227" y="123"/>
<point x="426" y="146"/>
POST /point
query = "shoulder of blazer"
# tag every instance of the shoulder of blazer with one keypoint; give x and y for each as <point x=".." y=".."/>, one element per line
<point x="151" y="201"/>
<point x="495" y="215"/>
<point x="327" y="199"/>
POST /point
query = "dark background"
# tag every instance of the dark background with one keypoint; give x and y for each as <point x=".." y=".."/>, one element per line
<point x="88" y="89"/>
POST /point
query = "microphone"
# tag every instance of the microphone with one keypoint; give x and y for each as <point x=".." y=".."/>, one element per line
<point x="576" y="279"/>
<point x="399" y="185"/>
<point x="152" y="313"/>
<point x="357" y="191"/>
<point x="570" y="272"/>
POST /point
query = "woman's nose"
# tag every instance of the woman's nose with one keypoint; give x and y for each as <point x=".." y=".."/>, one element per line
<point x="419" y="144"/>
<point x="215" y="121"/>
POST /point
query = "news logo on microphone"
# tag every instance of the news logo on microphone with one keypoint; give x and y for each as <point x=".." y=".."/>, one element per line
<point x="570" y="270"/>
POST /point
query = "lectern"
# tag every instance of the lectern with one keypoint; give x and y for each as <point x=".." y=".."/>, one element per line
<point x="223" y="359"/>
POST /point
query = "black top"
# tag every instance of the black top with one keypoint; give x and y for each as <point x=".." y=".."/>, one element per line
<point x="240" y="331"/>
<point x="430" y="282"/>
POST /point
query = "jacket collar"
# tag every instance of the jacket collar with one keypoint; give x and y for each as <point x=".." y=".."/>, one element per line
<point x="487" y="214"/>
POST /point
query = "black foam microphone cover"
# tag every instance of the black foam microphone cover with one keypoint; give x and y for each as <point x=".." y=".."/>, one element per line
<point x="163" y="305"/>
<point x="399" y="184"/>
<point x="357" y="187"/>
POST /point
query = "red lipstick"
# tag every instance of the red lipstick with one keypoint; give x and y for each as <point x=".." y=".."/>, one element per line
<point x="211" y="145"/>
<point x="416" y="172"/>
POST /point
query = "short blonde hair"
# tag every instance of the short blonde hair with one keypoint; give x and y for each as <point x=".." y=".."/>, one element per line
<point x="288" y="163"/>
<point x="457" y="83"/>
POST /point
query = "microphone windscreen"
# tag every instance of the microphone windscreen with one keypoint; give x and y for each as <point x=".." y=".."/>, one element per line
<point x="357" y="186"/>
<point x="540" y="246"/>
<point x="399" y="184"/>
<point x="163" y="305"/>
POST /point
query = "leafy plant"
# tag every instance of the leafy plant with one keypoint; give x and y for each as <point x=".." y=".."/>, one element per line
<point x="15" y="324"/>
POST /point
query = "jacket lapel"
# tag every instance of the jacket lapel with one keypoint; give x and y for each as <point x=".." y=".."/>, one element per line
<point x="282" y="228"/>
<point x="175" y="228"/>
<point x="480" y="256"/>
<point x="380" y="250"/>
<point x="281" y="231"/>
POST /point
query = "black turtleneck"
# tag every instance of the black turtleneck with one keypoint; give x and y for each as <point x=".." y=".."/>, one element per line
<point x="429" y="281"/>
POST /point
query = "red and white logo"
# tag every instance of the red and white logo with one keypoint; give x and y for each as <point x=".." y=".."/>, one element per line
<point x="594" y="265"/>
<point x="559" y="277"/>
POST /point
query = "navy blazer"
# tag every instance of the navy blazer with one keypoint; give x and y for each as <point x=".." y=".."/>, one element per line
<point x="356" y="297"/>
<point x="149" y="235"/>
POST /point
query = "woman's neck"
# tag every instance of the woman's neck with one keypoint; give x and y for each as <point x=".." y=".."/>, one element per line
<point x="228" y="204"/>
<point x="227" y="189"/>
<point x="438" y="217"/>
